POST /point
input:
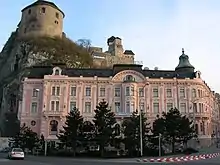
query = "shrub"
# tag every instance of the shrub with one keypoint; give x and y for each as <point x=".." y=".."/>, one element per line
<point x="190" y="151"/>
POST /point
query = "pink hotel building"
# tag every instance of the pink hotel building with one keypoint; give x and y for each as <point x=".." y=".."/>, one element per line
<point x="49" y="93"/>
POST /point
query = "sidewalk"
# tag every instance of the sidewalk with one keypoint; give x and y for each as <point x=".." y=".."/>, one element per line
<point x="204" y="153"/>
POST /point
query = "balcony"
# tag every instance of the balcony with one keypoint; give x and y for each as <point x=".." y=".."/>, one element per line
<point x="53" y="113"/>
<point x="200" y="115"/>
<point x="122" y="114"/>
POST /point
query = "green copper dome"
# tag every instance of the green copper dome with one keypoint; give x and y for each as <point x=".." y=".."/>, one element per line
<point x="184" y="64"/>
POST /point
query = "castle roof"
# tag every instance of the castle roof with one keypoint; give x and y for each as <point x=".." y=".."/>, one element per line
<point x="40" y="71"/>
<point x="42" y="2"/>
<point x="112" y="39"/>
<point x="129" y="52"/>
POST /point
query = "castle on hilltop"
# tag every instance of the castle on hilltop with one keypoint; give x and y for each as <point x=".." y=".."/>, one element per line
<point x="44" y="18"/>
<point x="41" y="18"/>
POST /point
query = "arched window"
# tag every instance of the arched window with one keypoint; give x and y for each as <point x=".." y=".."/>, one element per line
<point x="129" y="78"/>
<point x="53" y="127"/>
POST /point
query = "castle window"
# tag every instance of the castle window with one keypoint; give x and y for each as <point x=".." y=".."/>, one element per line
<point x="29" y="11"/>
<point x="43" y="9"/>
<point x="57" y="15"/>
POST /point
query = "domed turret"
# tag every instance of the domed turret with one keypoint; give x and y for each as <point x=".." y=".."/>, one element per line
<point x="184" y="64"/>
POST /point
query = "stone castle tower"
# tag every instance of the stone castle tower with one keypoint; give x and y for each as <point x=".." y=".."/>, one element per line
<point x="114" y="55"/>
<point x="41" y="18"/>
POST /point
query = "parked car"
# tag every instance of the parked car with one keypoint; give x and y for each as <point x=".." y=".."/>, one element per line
<point x="16" y="153"/>
<point x="5" y="150"/>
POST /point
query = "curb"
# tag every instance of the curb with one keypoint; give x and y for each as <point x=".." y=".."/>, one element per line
<point x="179" y="159"/>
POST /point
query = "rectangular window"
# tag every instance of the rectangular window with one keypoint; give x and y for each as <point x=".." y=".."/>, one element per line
<point x="127" y="107"/>
<point x="72" y="105"/>
<point x="195" y="107"/>
<point x="34" y="107"/>
<point x="182" y="93"/>
<point x="156" y="107"/>
<point x="88" y="91"/>
<point x="132" y="109"/>
<point x="127" y="91"/>
<point x="199" y="93"/>
<point x="57" y="105"/>
<point x="132" y="91"/>
<point x="169" y="106"/>
<point x="117" y="92"/>
<point x="141" y="92"/>
<point x="193" y="93"/>
<point x="87" y="107"/>
<point x="35" y="92"/>
<point x="102" y="92"/>
<point x="117" y="107"/>
<point x="52" y="106"/>
<point x="43" y="9"/>
<point x="155" y="92"/>
<point x="142" y="106"/>
<point x="200" y="107"/>
<point x="73" y="91"/>
<point x="57" y="15"/>
<point x="53" y="91"/>
<point x="58" y="91"/>
<point x="169" y="93"/>
<point x="183" y="107"/>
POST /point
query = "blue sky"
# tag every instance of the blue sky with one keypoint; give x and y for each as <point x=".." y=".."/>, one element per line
<point x="155" y="30"/>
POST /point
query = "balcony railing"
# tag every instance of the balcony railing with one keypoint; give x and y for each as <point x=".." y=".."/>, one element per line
<point x="123" y="114"/>
<point x="53" y="113"/>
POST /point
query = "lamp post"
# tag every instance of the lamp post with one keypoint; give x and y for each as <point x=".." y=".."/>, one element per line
<point x="45" y="148"/>
<point x="141" y="123"/>
<point x="141" y="134"/>
<point x="159" y="142"/>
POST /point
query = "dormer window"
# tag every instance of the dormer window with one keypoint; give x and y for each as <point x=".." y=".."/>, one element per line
<point x="129" y="78"/>
<point x="57" y="71"/>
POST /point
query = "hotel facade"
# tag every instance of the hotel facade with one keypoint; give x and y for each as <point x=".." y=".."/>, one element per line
<point x="49" y="93"/>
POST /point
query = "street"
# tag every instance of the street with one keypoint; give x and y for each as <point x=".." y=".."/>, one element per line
<point x="31" y="160"/>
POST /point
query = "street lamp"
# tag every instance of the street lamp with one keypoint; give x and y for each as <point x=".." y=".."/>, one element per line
<point x="141" y="123"/>
<point x="159" y="142"/>
<point x="141" y="133"/>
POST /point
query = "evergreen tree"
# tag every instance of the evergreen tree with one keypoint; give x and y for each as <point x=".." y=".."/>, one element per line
<point x="25" y="138"/>
<point x="187" y="131"/>
<point x="131" y="131"/>
<point x="174" y="128"/>
<point x="104" y="122"/>
<point x="71" y="133"/>
<point x="88" y="130"/>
